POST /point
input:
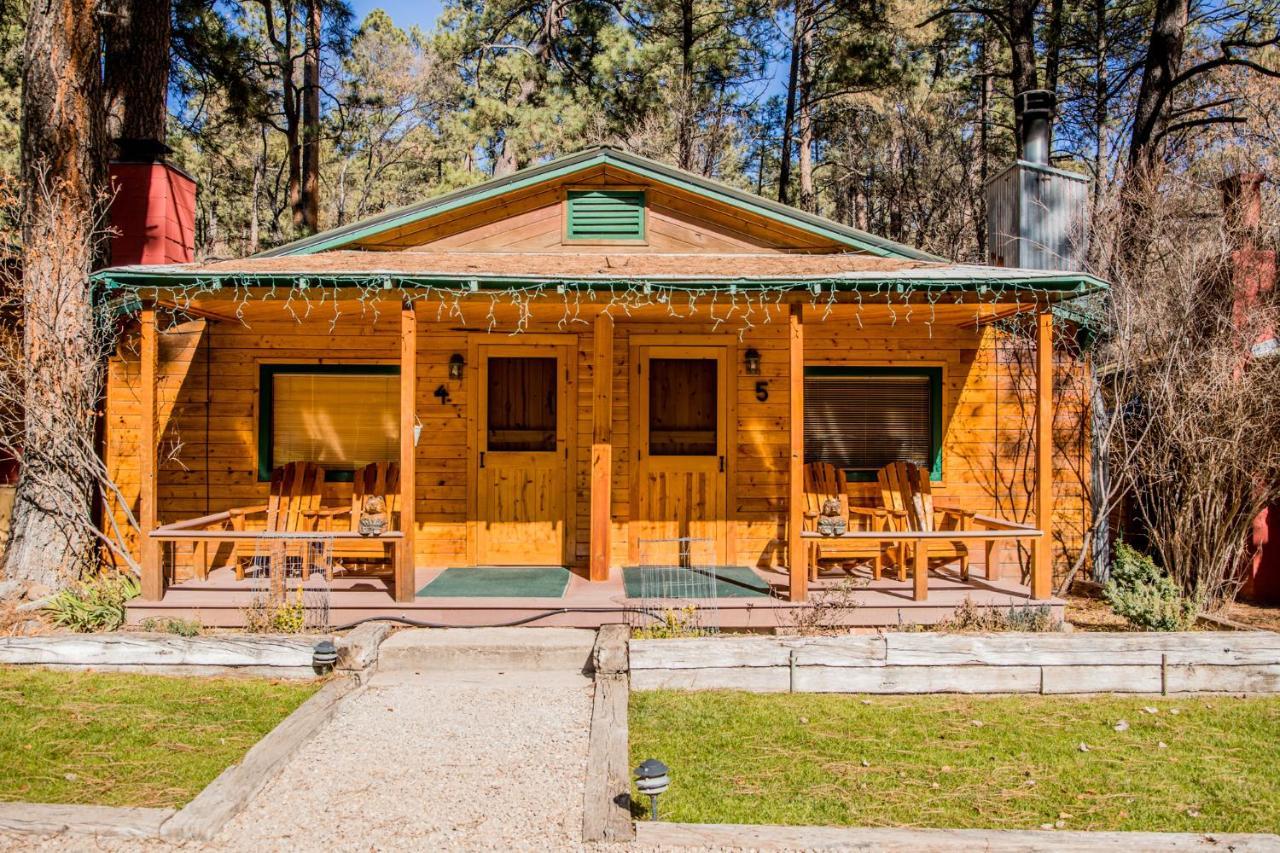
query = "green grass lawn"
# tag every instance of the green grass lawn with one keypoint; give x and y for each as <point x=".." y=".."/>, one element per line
<point x="120" y="739"/>
<point x="965" y="762"/>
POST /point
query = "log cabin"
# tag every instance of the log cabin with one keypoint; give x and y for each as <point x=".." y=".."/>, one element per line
<point x="593" y="365"/>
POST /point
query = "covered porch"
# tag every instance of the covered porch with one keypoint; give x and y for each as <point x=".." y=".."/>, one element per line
<point x="221" y="601"/>
<point x="202" y="361"/>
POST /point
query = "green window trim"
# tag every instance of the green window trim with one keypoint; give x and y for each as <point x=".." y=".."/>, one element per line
<point x="934" y="376"/>
<point x="605" y="216"/>
<point x="266" y="408"/>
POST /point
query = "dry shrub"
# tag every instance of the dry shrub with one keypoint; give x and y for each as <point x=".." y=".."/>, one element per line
<point x="1191" y="428"/>
<point x="830" y="609"/>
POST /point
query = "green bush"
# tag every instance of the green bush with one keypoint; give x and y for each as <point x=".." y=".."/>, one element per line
<point x="97" y="604"/>
<point x="1144" y="595"/>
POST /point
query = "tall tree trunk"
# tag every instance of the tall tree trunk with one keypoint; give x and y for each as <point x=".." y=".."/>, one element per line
<point x="1163" y="60"/>
<point x="135" y="69"/>
<point x="1160" y="68"/>
<point x="1053" y="55"/>
<point x="984" y="142"/>
<point x="280" y="34"/>
<point x="310" y="193"/>
<point x="687" y="117"/>
<point x="509" y="158"/>
<point x="1022" y="54"/>
<point x="804" y="93"/>
<point x="1101" y="107"/>
<point x="255" y="192"/>
<point x="789" y="113"/>
<point x="63" y="182"/>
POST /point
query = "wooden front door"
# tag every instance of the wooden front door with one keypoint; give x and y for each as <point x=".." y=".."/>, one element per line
<point x="522" y="502"/>
<point x="680" y="432"/>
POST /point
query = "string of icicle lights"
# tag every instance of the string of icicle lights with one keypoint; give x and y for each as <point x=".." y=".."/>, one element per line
<point x="739" y="305"/>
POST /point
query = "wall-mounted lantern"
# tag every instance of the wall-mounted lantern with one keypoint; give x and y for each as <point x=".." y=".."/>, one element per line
<point x="456" y="364"/>
<point x="751" y="359"/>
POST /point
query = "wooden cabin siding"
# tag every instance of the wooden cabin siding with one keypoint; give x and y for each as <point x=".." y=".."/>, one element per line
<point x="209" y="444"/>
<point x="532" y="220"/>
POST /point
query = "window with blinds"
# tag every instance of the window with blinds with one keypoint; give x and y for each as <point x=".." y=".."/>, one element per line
<point x="861" y="419"/>
<point x="340" y="416"/>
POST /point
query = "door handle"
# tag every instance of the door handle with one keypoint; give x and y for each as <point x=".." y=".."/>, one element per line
<point x="721" y="464"/>
<point x="481" y="458"/>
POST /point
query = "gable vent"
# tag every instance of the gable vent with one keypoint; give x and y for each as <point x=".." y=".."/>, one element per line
<point x="606" y="215"/>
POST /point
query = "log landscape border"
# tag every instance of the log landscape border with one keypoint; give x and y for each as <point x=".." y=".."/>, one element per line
<point x="925" y="662"/>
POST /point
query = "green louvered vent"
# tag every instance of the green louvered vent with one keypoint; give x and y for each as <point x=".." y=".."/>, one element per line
<point x="606" y="215"/>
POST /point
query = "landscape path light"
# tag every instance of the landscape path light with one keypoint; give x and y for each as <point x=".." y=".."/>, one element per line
<point x="652" y="780"/>
<point x="324" y="656"/>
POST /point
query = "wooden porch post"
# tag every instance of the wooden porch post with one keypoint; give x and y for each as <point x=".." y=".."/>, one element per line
<point x="152" y="570"/>
<point x="404" y="586"/>
<point x="798" y="572"/>
<point x="601" y="446"/>
<point x="1042" y="550"/>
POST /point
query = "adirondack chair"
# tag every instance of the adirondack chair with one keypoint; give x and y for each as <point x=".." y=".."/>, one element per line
<point x="906" y="495"/>
<point x="821" y="482"/>
<point x="376" y="478"/>
<point x="295" y="496"/>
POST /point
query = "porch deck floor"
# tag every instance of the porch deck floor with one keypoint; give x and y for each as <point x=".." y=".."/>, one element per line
<point x="220" y="602"/>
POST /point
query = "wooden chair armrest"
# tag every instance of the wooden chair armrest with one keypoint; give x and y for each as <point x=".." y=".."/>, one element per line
<point x="810" y="515"/>
<point x="962" y="517"/>
<point x="874" y="512"/>
<point x="236" y="516"/>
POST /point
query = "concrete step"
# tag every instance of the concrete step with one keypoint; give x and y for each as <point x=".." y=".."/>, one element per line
<point x="500" y="649"/>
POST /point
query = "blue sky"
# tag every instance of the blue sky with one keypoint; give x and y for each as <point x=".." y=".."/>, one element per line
<point x="405" y="13"/>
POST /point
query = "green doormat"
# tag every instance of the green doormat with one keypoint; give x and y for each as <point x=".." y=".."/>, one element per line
<point x="730" y="581"/>
<point x="499" y="582"/>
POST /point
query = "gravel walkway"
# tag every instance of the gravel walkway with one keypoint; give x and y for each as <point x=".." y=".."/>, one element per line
<point x="438" y="761"/>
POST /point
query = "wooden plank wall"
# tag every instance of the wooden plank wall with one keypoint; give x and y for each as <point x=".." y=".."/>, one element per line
<point x="209" y="452"/>
<point x="531" y="220"/>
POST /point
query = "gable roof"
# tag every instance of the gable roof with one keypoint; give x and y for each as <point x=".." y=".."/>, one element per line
<point x="589" y="158"/>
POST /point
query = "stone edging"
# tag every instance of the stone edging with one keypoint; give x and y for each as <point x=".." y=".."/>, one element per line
<point x="906" y="662"/>
<point x="668" y="835"/>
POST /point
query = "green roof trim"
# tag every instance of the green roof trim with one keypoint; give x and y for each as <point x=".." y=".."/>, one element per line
<point x="1074" y="284"/>
<point x="586" y="159"/>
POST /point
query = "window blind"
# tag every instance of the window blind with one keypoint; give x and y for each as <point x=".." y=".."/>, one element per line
<point x="342" y="421"/>
<point x="862" y="423"/>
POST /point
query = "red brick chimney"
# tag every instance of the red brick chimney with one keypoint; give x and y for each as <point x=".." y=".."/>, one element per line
<point x="153" y="212"/>
<point x="1253" y="270"/>
<point x="1253" y="276"/>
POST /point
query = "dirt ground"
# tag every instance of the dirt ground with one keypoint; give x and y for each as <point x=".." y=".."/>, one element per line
<point x="1266" y="617"/>
<point x="1087" y="611"/>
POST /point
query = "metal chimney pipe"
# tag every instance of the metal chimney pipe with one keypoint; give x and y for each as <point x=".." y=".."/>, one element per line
<point x="1036" y="107"/>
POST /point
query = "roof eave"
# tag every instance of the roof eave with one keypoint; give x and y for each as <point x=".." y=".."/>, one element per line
<point x="978" y="280"/>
